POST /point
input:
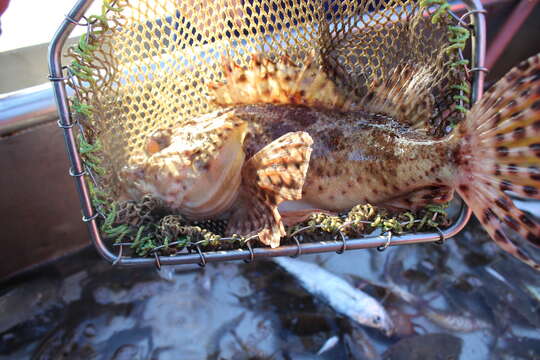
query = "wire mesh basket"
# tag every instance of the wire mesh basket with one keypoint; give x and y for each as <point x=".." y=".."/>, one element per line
<point x="146" y="65"/>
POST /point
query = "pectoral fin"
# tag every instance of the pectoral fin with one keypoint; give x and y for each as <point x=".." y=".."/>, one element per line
<point x="275" y="174"/>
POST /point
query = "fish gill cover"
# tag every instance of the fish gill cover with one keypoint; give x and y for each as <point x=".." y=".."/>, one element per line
<point x="147" y="65"/>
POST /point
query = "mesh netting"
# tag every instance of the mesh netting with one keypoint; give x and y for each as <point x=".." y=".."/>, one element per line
<point x="146" y="64"/>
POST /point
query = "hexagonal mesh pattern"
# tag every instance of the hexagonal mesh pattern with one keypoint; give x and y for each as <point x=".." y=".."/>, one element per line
<point x="146" y="64"/>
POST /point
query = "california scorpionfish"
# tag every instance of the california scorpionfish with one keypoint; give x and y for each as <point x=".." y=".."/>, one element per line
<point x="286" y="140"/>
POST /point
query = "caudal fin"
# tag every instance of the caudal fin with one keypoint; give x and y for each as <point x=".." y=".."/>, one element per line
<point x="499" y="153"/>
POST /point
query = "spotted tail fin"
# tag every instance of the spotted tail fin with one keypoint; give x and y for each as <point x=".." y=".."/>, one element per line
<point x="265" y="81"/>
<point x="499" y="152"/>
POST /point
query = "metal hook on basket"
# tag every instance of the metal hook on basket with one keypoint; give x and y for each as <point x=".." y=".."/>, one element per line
<point x="471" y="12"/>
<point x="202" y="263"/>
<point x="91" y="175"/>
<point x="117" y="260"/>
<point x="387" y="244"/>
<point x="59" y="78"/>
<point x="65" y="126"/>
<point x="90" y="218"/>
<point x="78" y="23"/>
<point x="460" y="19"/>
<point x="479" y="68"/>
<point x="298" y="248"/>
<point x="456" y="17"/>
<point x="251" y="254"/>
<point x="74" y="174"/>
<point x="157" y="262"/>
<point x="72" y="77"/>
<point x="344" y="245"/>
<point x="441" y="237"/>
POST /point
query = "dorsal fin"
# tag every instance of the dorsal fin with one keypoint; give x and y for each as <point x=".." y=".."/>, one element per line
<point x="404" y="95"/>
<point x="277" y="82"/>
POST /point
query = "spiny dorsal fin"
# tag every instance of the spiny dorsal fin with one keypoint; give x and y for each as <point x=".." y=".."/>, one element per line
<point x="274" y="174"/>
<point x="404" y="95"/>
<point x="277" y="82"/>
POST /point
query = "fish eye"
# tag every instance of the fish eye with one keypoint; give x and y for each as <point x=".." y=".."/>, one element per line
<point x="377" y="319"/>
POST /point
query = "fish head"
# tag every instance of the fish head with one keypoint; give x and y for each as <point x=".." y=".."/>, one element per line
<point x="193" y="169"/>
<point x="379" y="319"/>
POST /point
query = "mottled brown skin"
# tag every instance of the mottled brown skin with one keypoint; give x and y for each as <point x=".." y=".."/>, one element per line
<point x="358" y="157"/>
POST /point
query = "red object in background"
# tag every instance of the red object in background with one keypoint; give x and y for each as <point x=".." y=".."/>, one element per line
<point x="3" y="6"/>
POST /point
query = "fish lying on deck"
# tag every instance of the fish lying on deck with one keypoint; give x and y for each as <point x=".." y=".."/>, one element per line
<point x="286" y="134"/>
<point x="336" y="292"/>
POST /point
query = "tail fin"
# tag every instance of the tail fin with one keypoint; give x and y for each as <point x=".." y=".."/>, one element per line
<point x="500" y="151"/>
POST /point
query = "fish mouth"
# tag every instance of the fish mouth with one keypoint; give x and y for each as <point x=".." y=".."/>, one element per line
<point x="382" y="323"/>
<point x="216" y="188"/>
<point x="388" y="329"/>
<point x="197" y="173"/>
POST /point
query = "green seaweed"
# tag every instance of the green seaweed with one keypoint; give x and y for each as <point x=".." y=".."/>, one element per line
<point x="458" y="37"/>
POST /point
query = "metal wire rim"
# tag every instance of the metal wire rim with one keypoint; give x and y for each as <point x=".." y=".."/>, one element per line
<point x="299" y="251"/>
<point x="64" y="126"/>
<point x="344" y="243"/>
<point x="381" y="248"/>
<point x="90" y="218"/>
<point x="251" y="254"/>
<point x="479" y="68"/>
<point x="441" y="239"/>
<point x="77" y="174"/>
<point x="78" y="23"/>
<point x="202" y="263"/>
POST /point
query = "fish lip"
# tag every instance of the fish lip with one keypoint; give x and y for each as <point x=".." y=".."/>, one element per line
<point x="389" y="331"/>
<point x="387" y="327"/>
<point x="391" y="327"/>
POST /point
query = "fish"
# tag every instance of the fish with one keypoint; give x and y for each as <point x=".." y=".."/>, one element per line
<point x="286" y="138"/>
<point x="339" y="294"/>
<point x="463" y="322"/>
<point x="328" y="345"/>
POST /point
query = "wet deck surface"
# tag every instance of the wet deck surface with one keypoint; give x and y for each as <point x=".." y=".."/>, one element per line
<point x="482" y="305"/>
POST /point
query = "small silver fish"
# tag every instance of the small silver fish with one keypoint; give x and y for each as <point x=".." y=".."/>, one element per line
<point x="328" y="345"/>
<point x="455" y="322"/>
<point x="338" y="294"/>
<point x="463" y="322"/>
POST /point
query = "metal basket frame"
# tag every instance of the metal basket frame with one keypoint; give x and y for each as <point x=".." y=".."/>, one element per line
<point x="78" y="172"/>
